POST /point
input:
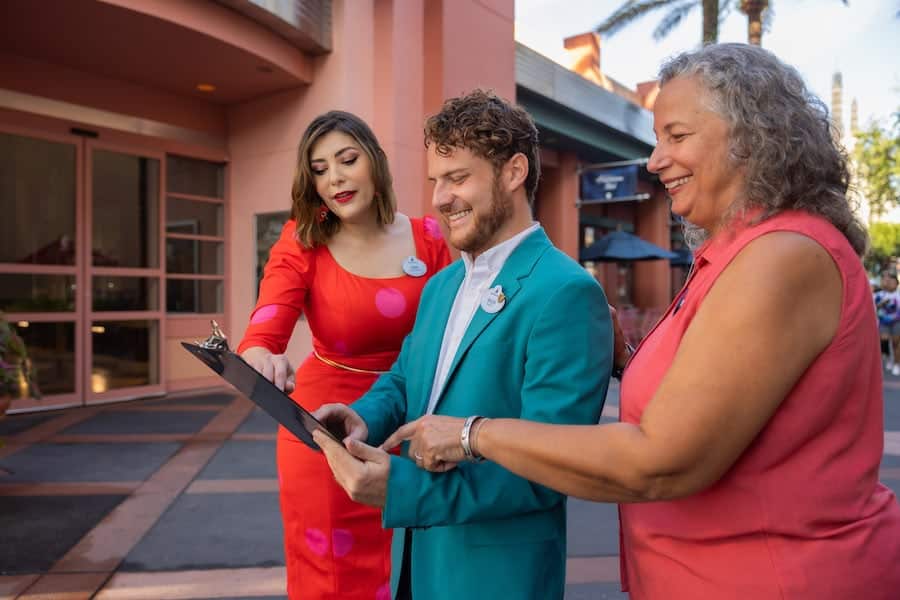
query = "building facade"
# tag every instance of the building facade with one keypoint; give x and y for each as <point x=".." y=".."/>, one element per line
<point x="147" y="151"/>
<point x="586" y="125"/>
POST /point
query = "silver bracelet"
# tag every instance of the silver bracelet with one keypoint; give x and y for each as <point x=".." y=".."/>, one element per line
<point x="465" y="437"/>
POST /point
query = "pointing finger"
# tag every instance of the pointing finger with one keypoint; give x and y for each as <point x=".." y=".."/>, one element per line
<point x="405" y="432"/>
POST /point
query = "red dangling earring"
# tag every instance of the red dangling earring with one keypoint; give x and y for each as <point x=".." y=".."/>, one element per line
<point x="323" y="212"/>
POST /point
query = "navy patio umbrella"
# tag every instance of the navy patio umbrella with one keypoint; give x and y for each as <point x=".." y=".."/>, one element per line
<point x="620" y="246"/>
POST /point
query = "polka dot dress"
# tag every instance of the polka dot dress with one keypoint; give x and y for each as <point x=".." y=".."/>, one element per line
<point x="334" y="547"/>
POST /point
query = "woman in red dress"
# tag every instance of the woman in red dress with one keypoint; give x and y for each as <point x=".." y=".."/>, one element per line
<point x="356" y="269"/>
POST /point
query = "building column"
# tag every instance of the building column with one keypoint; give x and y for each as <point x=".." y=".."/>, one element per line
<point x="557" y="194"/>
<point x="399" y="97"/>
<point x="468" y="44"/>
<point x="653" y="279"/>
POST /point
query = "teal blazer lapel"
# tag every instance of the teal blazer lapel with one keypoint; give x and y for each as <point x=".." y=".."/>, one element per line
<point x="437" y="323"/>
<point x="517" y="267"/>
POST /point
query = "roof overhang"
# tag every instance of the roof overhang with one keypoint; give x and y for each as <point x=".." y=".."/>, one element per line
<point x="172" y="45"/>
<point x="574" y="113"/>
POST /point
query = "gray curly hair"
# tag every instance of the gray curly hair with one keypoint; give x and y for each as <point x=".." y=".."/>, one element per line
<point x="780" y="134"/>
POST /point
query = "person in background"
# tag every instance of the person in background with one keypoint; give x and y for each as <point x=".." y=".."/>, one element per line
<point x="746" y="461"/>
<point x="887" y="305"/>
<point x="356" y="268"/>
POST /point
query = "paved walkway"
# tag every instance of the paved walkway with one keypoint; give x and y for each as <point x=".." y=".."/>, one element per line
<point x="176" y="498"/>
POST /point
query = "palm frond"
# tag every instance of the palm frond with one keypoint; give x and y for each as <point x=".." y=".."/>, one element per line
<point x="726" y="7"/>
<point x="628" y="12"/>
<point x="673" y="18"/>
<point x="768" y="17"/>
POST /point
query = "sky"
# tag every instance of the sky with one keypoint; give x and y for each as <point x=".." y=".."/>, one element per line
<point x="818" y="37"/>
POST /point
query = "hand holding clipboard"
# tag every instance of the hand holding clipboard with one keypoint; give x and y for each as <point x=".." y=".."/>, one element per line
<point x="214" y="353"/>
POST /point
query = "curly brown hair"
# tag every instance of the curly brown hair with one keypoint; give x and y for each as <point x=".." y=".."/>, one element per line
<point x="489" y="127"/>
<point x="780" y="133"/>
<point x="306" y="201"/>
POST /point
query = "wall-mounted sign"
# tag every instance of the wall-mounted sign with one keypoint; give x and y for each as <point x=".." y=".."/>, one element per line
<point x="610" y="184"/>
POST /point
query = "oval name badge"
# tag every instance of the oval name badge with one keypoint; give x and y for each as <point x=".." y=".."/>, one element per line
<point x="414" y="267"/>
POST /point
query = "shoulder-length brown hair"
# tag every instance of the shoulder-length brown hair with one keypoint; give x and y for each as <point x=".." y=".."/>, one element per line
<point x="305" y="199"/>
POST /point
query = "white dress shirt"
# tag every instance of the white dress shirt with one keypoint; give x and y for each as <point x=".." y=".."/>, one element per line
<point x="480" y="273"/>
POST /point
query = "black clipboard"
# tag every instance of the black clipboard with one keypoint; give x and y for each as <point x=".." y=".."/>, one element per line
<point x="214" y="353"/>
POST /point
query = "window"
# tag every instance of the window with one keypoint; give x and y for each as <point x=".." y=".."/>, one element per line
<point x="195" y="236"/>
<point x="268" y="230"/>
<point x="37" y="201"/>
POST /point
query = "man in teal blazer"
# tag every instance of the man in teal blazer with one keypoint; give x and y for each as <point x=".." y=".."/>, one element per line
<point x="514" y="329"/>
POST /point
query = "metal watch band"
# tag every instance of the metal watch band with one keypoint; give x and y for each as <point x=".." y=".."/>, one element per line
<point x="617" y="372"/>
<point x="465" y="438"/>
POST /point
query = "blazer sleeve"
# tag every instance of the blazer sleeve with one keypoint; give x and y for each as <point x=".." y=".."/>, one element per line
<point x="282" y="294"/>
<point x="567" y="370"/>
<point x="383" y="407"/>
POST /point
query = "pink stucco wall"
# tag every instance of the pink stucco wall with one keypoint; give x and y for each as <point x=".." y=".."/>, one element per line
<point x="557" y="194"/>
<point x="399" y="95"/>
<point x="393" y="62"/>
<point x="653" y="279"/>
<point x="470" y="43"/>
<point x="477" y="46"/>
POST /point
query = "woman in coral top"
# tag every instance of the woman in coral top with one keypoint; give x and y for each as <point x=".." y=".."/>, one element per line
<point x="356" y="268"/>
<point x="746" y="460"/>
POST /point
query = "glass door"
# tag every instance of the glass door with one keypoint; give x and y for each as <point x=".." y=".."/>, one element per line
<point x="81" y="265"/>
<point x="123" y="270"/>
<point x="40" y="244"/>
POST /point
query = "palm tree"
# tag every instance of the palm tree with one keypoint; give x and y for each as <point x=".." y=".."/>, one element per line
<point x="754" y="10"/>
<point x="678" y="10"/>
<point x="759" y="15"/>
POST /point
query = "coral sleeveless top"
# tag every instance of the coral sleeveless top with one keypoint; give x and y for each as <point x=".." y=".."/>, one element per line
<point x="801" y="514"/>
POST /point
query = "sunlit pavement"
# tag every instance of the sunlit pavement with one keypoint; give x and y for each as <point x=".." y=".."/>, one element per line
<point x="176" y="498"/>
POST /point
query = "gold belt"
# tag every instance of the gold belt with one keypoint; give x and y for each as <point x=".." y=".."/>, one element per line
<point x="338" y="365"/>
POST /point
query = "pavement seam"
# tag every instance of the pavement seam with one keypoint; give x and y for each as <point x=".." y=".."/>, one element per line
<point x="69" y="488"/>
<point x="233" y="486"/>
<point x="171" y="408"/>
<point x="12" y="585"/>
<point x="66" y="586"/>
<point x="44" y="431"/>
<point x="102" y="549"/>
<point x="200" y="583"/>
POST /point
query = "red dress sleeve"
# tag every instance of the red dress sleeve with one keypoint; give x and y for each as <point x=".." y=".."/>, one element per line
<point x="438" y="253"/>
<point x="282" y="294"/>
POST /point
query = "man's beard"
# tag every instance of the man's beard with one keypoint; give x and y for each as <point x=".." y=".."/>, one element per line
<point x="487" y="226"/>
